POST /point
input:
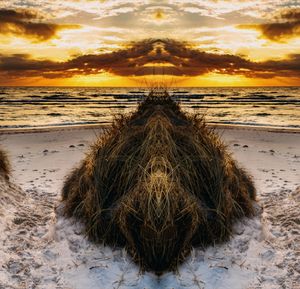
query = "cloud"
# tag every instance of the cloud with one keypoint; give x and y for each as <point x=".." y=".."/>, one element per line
<point x="286" y="26"/>
<point x="27" y="23"/>
<point x="159" y="56"/>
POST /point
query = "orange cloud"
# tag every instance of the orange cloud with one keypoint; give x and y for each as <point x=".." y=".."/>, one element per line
<point x="159" y="14"/>
<point x="27" y="23"/>
<point x="287" y="25"/>
<point x="158" y="56"/>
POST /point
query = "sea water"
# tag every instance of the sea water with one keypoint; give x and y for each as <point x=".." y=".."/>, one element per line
<point x="55" y="106"/>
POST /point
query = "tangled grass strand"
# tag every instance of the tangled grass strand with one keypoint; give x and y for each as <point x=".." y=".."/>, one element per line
<point x="158" y="182"/>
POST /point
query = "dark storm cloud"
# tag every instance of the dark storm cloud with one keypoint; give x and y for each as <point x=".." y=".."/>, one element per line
<point x="285" y="26"/>
<point x="151" y="56"/>
<point x="29" y="24"/>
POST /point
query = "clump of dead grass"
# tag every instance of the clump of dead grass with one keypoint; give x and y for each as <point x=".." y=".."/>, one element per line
<point x="158" y="182"/>
<point x="4" y="164"/>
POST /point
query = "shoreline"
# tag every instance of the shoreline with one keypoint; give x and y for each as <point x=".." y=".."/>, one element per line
<point x="218" y="126"/>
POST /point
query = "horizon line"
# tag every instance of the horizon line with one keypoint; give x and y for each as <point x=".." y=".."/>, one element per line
<point x="105" y="86"/>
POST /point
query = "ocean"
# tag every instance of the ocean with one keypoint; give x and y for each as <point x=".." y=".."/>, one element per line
<point x="56" y="106"/>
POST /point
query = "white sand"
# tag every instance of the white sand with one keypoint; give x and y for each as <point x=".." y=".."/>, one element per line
<point x="39" y="249"/>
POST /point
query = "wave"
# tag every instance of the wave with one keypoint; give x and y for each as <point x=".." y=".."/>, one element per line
<point x="91" y="105"/>
<point x="107" y="122"/>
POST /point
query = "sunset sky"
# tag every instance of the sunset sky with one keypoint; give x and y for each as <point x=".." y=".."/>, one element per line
<point x="131" y="43"/>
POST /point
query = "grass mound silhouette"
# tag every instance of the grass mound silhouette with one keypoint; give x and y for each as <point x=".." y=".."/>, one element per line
<point x="158" y="182"/>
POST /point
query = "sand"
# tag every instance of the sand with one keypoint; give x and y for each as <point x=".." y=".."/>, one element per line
<point x="39" y="248"/>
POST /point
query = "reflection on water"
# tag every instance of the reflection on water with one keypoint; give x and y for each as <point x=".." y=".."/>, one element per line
<point x="41" y="106"/>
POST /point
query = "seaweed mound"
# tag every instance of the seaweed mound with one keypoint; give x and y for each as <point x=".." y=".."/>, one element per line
<point x="158" y="182"/>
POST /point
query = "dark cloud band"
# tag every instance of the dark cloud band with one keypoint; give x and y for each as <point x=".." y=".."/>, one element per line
<point x="285" y="26"/>
<point x="150" y="56"/>
<point x="28" y="24"/>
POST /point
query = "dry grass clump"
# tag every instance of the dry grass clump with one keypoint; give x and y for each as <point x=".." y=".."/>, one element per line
<point x="4" y="164"/>
<point x="158" y="182"/>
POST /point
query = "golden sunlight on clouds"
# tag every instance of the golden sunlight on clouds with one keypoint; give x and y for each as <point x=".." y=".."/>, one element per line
<point x="105" y="80"/>
<point x="159" y="15"/>
<point x="29" y="24"/>
<point x="213" y="79"/>
<point x="118" y="43"/>
<point x="284" y="26"/>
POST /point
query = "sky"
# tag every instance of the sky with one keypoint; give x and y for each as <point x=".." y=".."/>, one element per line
<point x="136" y="43"/>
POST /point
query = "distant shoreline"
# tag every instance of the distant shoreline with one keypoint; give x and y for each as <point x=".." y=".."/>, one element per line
<point x="218" y="126"/>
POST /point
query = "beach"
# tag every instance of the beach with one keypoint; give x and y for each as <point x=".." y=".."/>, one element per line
<point x="41" y="249"/>
<point x="149" y="144"/>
